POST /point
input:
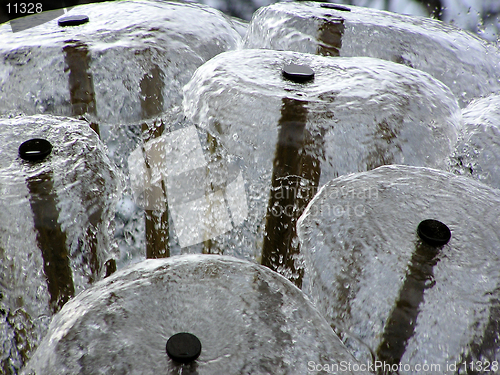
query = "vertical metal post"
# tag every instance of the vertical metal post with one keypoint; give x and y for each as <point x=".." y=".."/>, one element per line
<point x="81" y="84"/>
<point x="211" y="246"/>
<point x="51" y="240"/>
<point x="296" y="173"/>
<point x="157" y="228"/>
<point x="400" y="325"/>
<point x="330" y="37"/>
<point x="81" y="87"/>
<point x="50" y="237"/>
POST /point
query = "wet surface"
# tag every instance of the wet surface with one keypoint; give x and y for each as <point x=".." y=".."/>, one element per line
<point x="56" y="231"/>
<point x="478" y="148"/>
<point x="444" y="51"/>
<point x="104" y="59"/>
<point x="359" y="235"/>
<point x="270" y="327"/>
<point x="295" y="136"/>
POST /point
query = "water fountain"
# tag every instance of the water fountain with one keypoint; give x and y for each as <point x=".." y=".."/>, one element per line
<point x="270" y="326"/>
<point x="467" y="64"/>
<point x="227" y="165"/>
<point x="478" y="148"/>
<point x="427" y="242"/>
<point x="296" y="130"/>
<point x="59" y="189"/>
<point x="127" y="63"/>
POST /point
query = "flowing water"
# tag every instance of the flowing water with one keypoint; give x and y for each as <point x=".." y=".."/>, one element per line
<point x="197" y="143"/>
<point x="477" y="151"/>
<point x="379" y="284"/>
<point x="270" y="328"/>
<point x="294" y="137"/>
<point x="467" y="64"/>
<point x="56" y="226"/>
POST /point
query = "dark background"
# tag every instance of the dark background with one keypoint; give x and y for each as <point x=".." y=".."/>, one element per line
<point x="477" y="16"/>
<point x="236" y="8"/>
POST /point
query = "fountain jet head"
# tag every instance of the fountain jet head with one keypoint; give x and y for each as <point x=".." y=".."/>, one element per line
<point x="298" y="73"/>
<point x="434" y="232"/>
<point x="75" y="20"/>
<point x="183" y="347"/>
<point x="35" y="149"/>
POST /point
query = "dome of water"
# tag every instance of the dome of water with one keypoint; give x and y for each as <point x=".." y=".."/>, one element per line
<point x="122" y="67"/>
<point x="350" y="115"/>
<point x="127" y="63"/>
<point x="56" y="230"/>
<point x="248" y="320"/>
<point x="406" y="117"/>
<point x="477" y="153"/>
<point x="264" y="131"/>
<point x="406" y="260"/>
<point x="467" y="64"/>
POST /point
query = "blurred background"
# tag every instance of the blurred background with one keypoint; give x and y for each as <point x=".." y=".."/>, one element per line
<point x="481" y="17"/>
